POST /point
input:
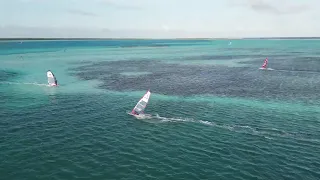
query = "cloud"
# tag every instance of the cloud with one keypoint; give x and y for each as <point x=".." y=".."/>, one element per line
<point x="272" y="6"/>
<point x="260" y="5"/>
<point x="117" y="5"/>
<point x="78" y="32"/>
<point x="165" y="27"/>
<point x="80" y="12"/>
<point x="34" y="1"/>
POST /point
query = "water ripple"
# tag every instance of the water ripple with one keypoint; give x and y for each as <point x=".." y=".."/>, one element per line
<point x="64" y="135"/>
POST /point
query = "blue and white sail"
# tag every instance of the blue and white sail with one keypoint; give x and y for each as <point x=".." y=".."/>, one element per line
<point x="52" y="80"/>
<point x="142" y="104"/>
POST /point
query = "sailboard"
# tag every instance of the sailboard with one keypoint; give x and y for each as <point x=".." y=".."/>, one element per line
<point x="264" y="65"/>
<point x="52" y="80"/>
<point x="138" y="110"/>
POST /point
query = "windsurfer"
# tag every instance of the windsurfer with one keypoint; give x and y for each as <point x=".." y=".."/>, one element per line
<point x="265" y="63"/>
<point x="141" y="105"/>
<point x="135" y="113"/>
<point x="52" y="80"/>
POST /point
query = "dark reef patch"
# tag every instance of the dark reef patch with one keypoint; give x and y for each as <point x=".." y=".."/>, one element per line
<point x="185" y="80"/>
<point x="6" y="75"/>
<point x="231" y="57"/>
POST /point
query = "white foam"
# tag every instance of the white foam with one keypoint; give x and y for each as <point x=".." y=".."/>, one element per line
<point x="165" y="119"/>
<point x="245" y="129"/>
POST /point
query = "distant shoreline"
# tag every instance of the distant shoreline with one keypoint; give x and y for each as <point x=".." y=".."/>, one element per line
<point x="66" y="39"/>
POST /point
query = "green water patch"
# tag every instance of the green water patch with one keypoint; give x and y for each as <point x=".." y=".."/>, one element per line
<point x="180" y="55"/>
<point x="138" y="54"/>
<point x="25" y="52"/>
<point x="34" y="88"/>
<point x="240" y="102"/>
<point x="247" y="117"/>
<point x="16" y="95"/>
<point x="254" y="117"/>
<point x="81" y="133"/>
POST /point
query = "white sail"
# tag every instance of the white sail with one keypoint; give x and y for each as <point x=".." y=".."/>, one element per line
<point x="142" y="104"/>
<point x="52" y="81"/>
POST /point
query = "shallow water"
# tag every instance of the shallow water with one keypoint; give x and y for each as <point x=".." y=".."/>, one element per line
<point x="215" y="114"/>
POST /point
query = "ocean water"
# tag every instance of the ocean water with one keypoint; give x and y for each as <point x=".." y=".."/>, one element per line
<point x="215" y="115"/>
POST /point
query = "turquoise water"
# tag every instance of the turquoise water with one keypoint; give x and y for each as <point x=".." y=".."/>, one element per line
<point x="215" y="115"/>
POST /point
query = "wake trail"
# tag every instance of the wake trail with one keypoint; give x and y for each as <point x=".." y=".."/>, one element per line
<point x="268" y="133"/>
<point x="23" y="83"/>
<point x="311" y="72"/>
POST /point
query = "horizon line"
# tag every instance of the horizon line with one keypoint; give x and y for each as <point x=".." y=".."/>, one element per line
<point x="195" y="38"/>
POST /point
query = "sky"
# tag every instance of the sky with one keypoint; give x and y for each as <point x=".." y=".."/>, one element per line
<point x="159" y="18"/>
